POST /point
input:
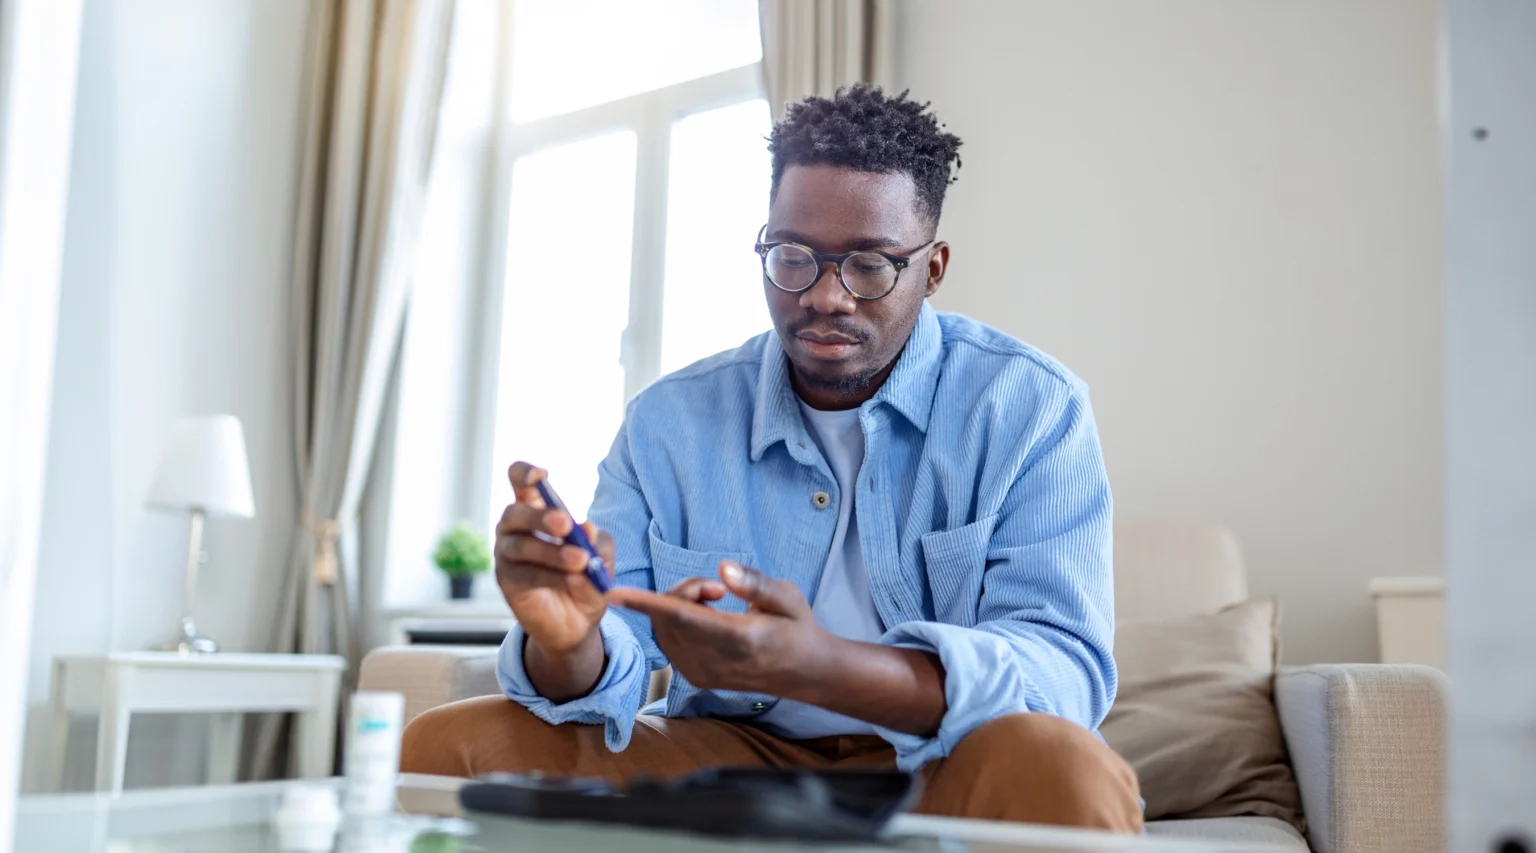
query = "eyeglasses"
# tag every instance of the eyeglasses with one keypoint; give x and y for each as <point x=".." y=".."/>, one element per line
<point x="867" y="274"/>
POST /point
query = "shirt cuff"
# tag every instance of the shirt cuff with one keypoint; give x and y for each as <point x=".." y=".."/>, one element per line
<point x="615" y="700"/>
<point x="993" y="686"/>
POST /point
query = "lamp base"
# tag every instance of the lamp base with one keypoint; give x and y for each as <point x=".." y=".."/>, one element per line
<point x="189" y="642"/>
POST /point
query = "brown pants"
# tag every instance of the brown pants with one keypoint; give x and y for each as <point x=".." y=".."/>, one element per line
<point x="1025" y="767"/>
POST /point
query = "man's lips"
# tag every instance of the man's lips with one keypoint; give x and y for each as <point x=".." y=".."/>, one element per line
<point x="827" y="345"/>
<point x="827" y="338"/>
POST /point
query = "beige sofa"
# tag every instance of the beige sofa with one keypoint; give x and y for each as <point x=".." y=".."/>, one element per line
<point x="1365" y="740"/>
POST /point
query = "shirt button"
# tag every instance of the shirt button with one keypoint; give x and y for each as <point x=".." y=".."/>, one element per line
<point x="821" y="500"/>
<point x="759" y="707"/>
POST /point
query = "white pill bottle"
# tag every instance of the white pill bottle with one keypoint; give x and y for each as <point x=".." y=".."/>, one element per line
<point x="372" y="759"/>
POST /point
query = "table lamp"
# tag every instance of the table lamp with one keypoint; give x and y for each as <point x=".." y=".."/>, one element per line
<point x="203" y="471"/>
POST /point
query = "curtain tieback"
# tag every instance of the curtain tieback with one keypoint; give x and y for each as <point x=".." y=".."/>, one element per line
<point x="327" y="563"/>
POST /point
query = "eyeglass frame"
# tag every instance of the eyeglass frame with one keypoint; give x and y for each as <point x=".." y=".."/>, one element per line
<point x="823" y="258"/>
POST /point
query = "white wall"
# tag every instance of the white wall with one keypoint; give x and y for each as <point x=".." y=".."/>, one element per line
<point x="174" y="302"/>
<point x="1224" y="215"/>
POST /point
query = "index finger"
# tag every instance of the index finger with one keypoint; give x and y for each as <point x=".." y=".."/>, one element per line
<point x="670" y="608"/>
<point x="523" y="476"/>
<point x="698" y="589"/>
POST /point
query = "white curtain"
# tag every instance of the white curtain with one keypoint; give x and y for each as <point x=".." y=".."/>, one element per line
<point x="374" y="82"/>
<point x="39" y="46"/>
<point x="814" y="47"/>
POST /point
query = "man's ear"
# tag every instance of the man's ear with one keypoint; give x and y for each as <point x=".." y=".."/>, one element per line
<point x="938" y="262"/>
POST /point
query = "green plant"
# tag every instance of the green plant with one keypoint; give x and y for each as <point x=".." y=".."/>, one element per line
<point x="462" y="551"/>
<point x="433" y="841"/>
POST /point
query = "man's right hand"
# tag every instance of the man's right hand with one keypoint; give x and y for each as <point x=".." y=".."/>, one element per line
<point x="542" y="579"/>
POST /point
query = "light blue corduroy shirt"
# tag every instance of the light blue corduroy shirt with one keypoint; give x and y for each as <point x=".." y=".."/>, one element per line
<point x="983" y="516"/>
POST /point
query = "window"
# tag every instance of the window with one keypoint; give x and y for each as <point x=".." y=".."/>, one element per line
<point x="570" y="55"/>
<point x="587" y="232"/>
<point x="638" y="179"/>
<point x="717" y="199"/>
<point x="565" y="308"/>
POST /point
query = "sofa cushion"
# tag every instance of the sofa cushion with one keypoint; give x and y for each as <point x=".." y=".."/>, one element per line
<point x="1271" y="832"/>
<point x="1195" y="714"/>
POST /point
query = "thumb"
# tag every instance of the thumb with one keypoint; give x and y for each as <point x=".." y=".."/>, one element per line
<point x="764" y="593"/>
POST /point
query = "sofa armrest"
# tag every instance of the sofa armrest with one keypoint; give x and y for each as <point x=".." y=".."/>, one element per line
<point x="1367" y="742"/>
<point x="430" y="675"/>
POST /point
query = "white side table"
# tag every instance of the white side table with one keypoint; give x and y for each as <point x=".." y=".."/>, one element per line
<point x="473" y="615"/>
<point x="117" y="685"/>
<point x="1410" y="619"/>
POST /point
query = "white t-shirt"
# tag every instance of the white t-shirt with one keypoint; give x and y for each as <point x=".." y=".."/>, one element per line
<point x="843" y="604"/>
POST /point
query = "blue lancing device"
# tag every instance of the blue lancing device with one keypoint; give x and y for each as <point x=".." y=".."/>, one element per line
<point x="597" y="573"/>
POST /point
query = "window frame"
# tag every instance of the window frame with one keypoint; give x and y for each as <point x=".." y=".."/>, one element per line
<point x="650" y="116"/>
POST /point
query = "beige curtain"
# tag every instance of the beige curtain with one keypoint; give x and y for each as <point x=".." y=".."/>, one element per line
<point x="813" y="47"/>
<point x="374" y="77"/>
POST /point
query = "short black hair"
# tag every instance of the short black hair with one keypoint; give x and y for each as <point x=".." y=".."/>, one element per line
<point x="863" y="128"/>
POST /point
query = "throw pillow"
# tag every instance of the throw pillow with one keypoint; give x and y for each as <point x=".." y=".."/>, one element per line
<point x="1195" y="714"/>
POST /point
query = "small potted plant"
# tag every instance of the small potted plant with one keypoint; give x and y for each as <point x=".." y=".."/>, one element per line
<point x="462" y="553"/>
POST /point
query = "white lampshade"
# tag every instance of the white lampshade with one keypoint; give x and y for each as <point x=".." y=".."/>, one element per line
<point x="204" y="467"/>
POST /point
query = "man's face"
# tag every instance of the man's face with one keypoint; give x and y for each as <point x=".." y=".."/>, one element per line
<point x="842" y="348"/>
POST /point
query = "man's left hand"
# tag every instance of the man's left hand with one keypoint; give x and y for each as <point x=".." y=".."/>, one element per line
<point x="765" y="650"/>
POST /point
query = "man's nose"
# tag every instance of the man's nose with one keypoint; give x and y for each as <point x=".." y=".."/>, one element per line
<point x="827" y="295"/>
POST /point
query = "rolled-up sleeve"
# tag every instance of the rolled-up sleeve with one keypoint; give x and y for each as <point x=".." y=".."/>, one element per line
<point x="613" y="703"/>
<point x="1044" y="633"/>
<point x="620" y="508"/>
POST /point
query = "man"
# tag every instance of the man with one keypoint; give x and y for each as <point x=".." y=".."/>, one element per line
<point x="877" y="536"/>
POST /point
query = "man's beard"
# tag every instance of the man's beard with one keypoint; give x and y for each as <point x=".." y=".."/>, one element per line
<point x="856" y="383"/>
<point x="841" y="386"/>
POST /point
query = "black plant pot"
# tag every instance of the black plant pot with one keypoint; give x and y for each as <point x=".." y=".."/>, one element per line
<point x="460" y="586"/>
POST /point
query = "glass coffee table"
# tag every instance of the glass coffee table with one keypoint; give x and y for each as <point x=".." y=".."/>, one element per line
<point x="238" y="819"/>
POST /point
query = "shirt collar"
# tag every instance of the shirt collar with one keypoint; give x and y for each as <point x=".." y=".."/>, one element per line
<point x="909" y="389"/>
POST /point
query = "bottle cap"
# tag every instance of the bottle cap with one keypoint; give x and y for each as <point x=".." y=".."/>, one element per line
<point x="308" y="818"/>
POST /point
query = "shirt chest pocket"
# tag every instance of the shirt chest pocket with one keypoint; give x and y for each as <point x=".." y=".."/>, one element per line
<point x="671" y="565"/>
<point x="954" y="561"/>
